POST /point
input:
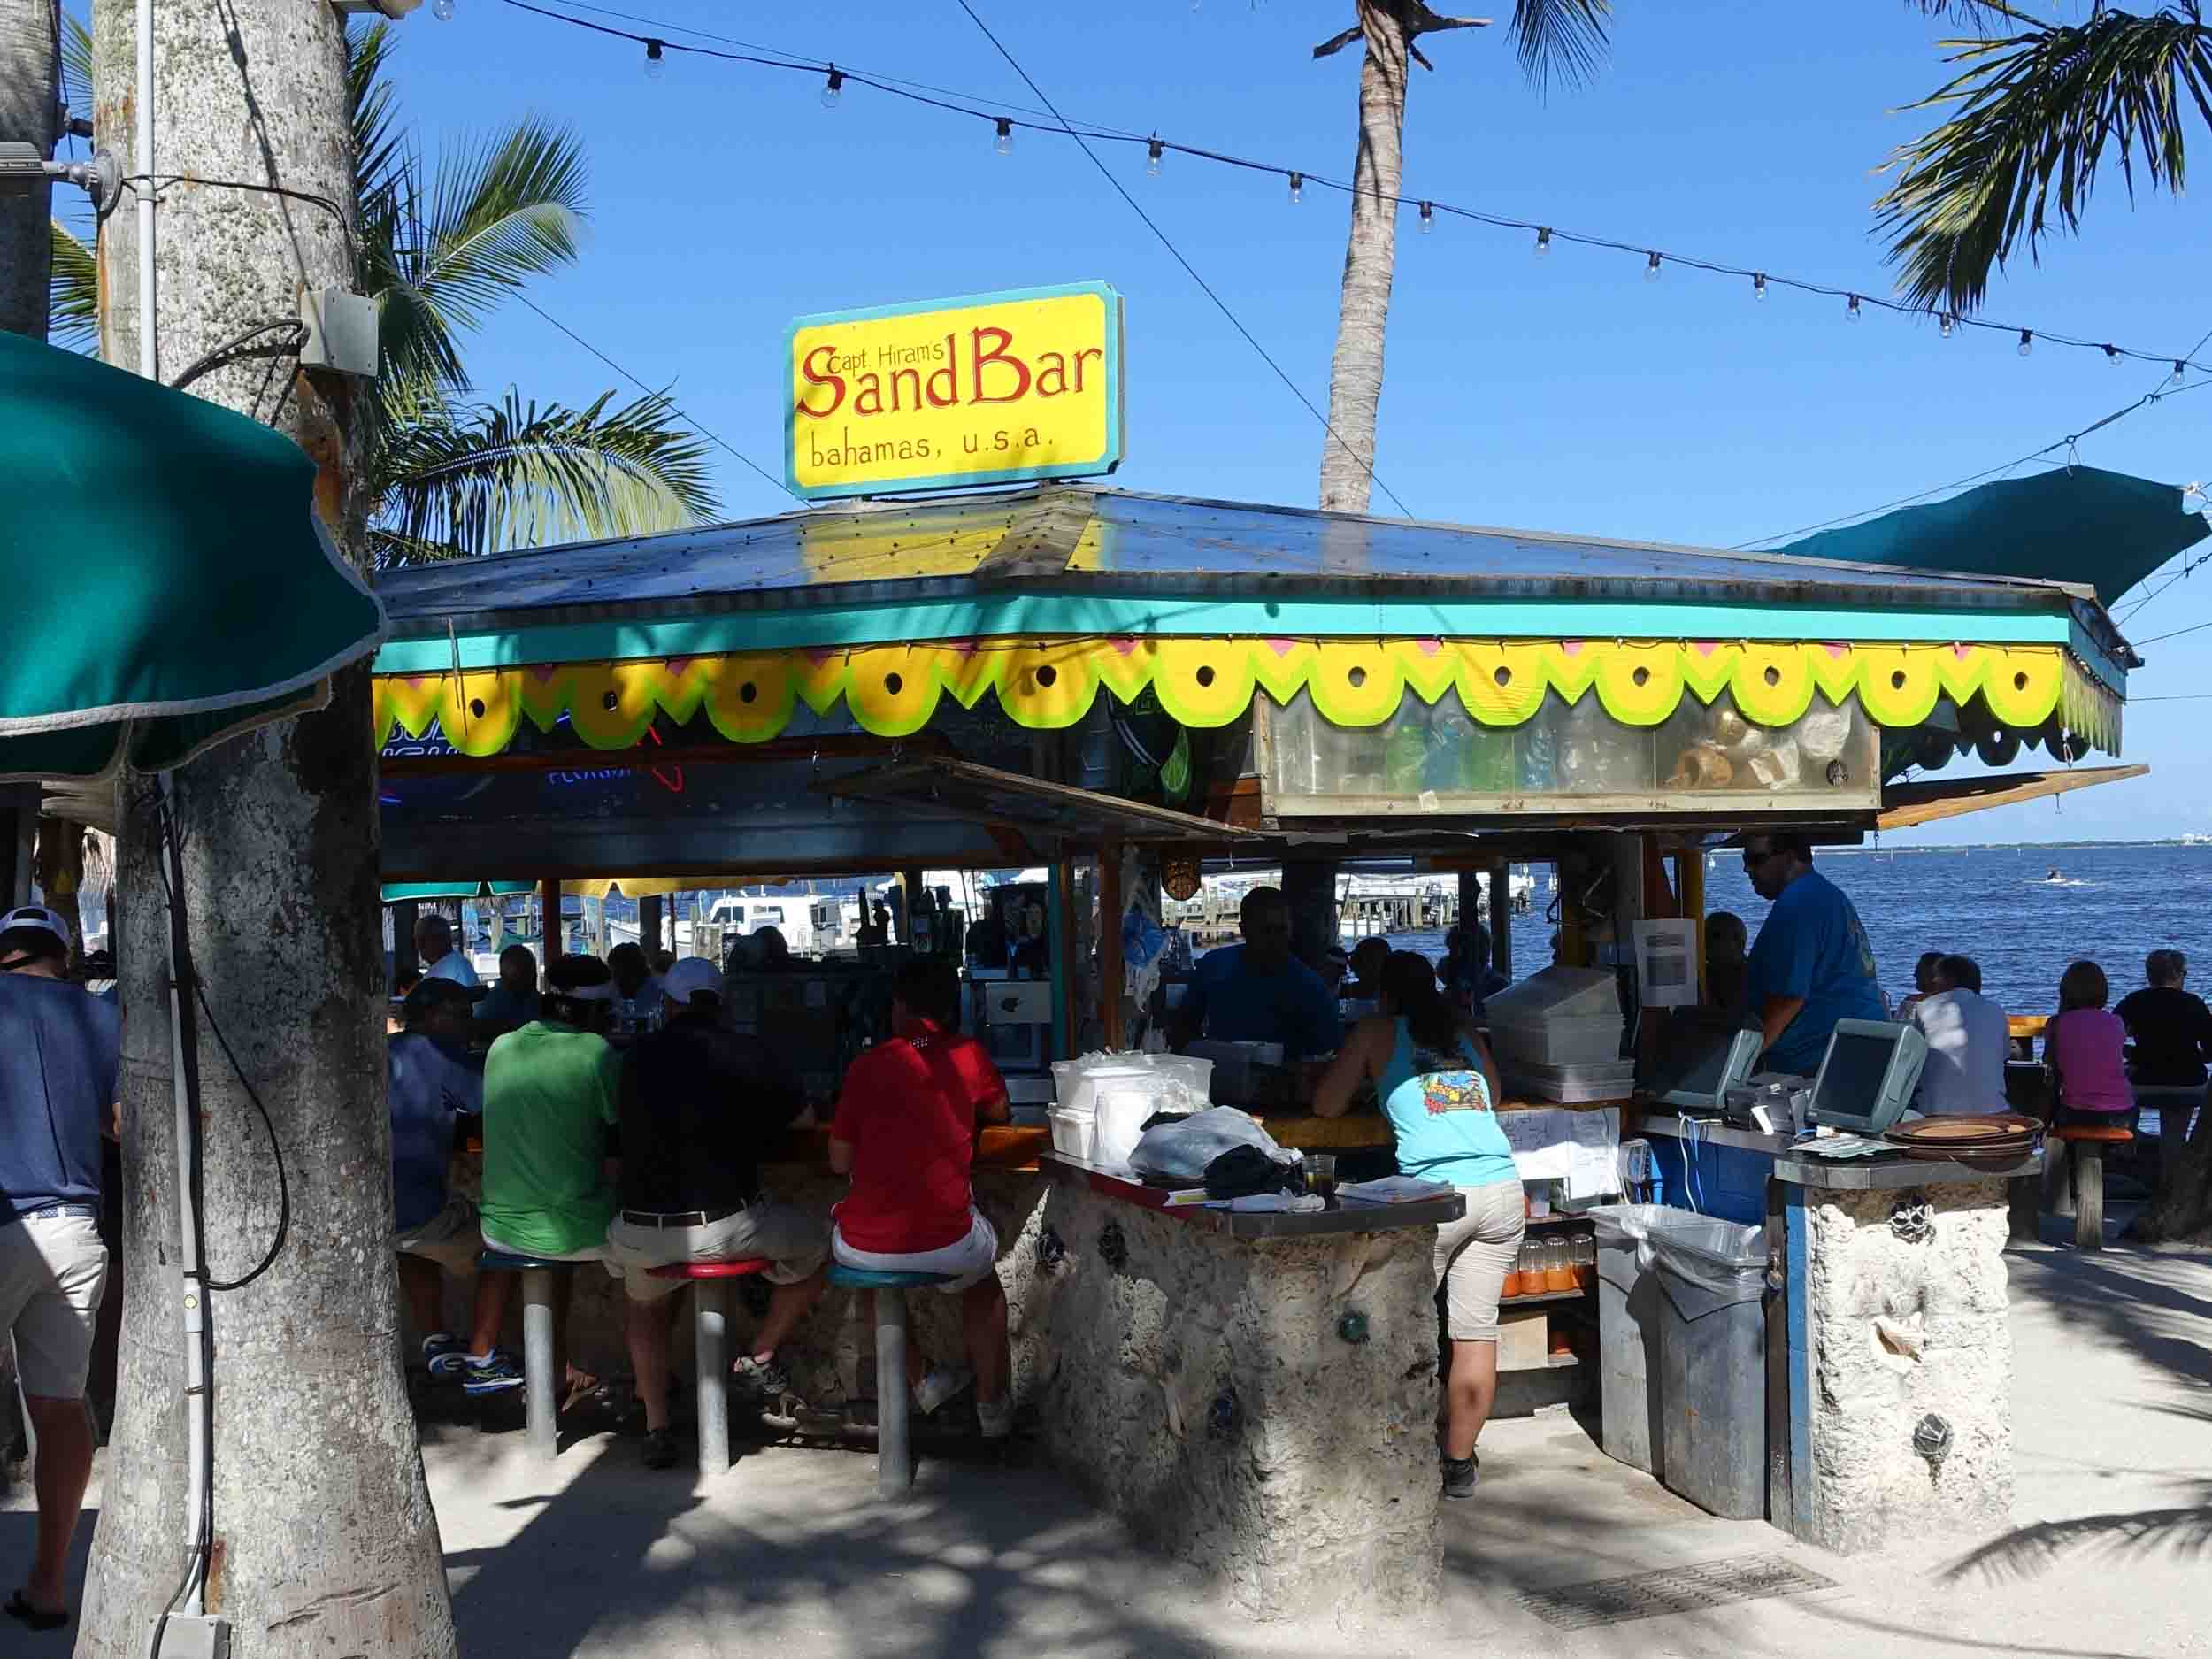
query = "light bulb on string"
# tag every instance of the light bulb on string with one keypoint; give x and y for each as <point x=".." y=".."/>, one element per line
<point x="1297" y="188"/>
<point x="1946" y="322"/>
<point x="1543" y="241"/>
<point x="1758" y="285"/>
<point x="1004" y="143"/>
<point x="442" y="10"/>
<point x="656" y="65"/>
<point x="1153" y="150"/>
<point x="1651" y="268"/>
<point x="2181" y="371"/>
<point x="1851" y="308"/>
<point x="2027" y="341"/>
<point x="2112" y="355"/>
<point x="1428" y="217"/>
<point x="834" y="92"/>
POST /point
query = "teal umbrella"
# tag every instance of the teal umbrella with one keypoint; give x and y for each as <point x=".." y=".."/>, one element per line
<point x="405" y="892"/>
<point x="169" y="583"/>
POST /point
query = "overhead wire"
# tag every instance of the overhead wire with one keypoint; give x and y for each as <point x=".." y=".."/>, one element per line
<point x="963" y="103"/>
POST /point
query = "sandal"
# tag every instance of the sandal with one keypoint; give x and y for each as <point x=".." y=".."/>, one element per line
<point x="20" y="1609"/>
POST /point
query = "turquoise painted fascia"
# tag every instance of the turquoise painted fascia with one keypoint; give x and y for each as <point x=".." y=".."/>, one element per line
<point x="837" y="627"/>
<point x="2114" y="676"/>
<point x="1102" y="467"/>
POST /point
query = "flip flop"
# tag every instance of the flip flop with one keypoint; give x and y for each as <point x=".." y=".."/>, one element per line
<point x="20" y="1609"/>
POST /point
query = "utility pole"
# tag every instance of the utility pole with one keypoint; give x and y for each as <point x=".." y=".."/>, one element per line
<point x="30" y="107"/>
<point x="323" y="1541"/>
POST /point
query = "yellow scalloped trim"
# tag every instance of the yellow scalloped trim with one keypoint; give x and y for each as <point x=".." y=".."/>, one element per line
<point x="893" y="690"/>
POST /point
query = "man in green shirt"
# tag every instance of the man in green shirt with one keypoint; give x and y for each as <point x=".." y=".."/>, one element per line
<point x="552" y="1089"/>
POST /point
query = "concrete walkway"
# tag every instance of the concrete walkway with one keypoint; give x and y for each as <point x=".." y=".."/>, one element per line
<point x="790" y="1551"/>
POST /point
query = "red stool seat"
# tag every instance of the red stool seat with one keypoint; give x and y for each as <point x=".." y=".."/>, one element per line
<point x="713" y="1269"/>
<point x="2094" y="1131"/>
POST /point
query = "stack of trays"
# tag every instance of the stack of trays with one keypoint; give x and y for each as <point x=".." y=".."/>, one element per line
<point x="1998" y="1138"/>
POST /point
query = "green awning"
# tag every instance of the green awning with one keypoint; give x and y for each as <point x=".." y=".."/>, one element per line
<point x="169" y="581"/>
<point x="410" y="892"/>
<point x="2072" y="524"/>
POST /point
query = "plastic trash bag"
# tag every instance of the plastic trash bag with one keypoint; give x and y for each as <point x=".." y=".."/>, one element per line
<point x="1179" y="1152"/>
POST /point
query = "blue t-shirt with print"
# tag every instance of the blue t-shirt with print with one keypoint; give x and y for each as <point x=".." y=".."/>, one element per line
<point x="1236" y="1004"/>
<point x="428" y="1086"/>
<point x="60" y="1050"/>
<point x="1812" y="946"/>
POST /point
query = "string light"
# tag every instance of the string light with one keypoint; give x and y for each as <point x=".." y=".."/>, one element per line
<point x="1949" y="322"/>
<point x="2181" y="371"/>
<point x="2027" y="341"/>
<point x="1428" y="217"/>
<point x="1851" y="308"/>
<point x="834" y="94"/>
<point x="1758" y="285"/>
<point x="1153" y="150"/>
<point x="2112" y="355"/>
<point x="442" y="10"/>
<point x="655" y="65"/>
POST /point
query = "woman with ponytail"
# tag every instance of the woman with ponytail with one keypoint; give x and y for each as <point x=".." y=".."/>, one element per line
<point x="1438" y="1086"/>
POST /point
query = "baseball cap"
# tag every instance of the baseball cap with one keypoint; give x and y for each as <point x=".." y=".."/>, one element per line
<point x="688" y="978"/>
<point x="36" y="915"/>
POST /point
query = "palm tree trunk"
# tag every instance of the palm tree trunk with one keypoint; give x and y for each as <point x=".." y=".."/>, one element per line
<point x="29" y="97"/>
<point x="322" y="1521"/>
<point x="1355" y="372"/>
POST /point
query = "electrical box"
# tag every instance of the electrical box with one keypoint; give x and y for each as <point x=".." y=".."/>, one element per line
<point x="195" y="1636"/>
<point x="341" y="332"/>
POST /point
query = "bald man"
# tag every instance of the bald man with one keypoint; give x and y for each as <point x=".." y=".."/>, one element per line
<point x="1258" y="991"/>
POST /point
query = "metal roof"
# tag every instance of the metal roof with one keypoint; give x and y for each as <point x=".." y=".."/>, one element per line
<point x="1070" y="539"/>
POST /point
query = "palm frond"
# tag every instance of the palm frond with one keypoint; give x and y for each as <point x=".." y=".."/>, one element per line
<point x="455" y="482"/>
<point x="373" y="102"/>
<point x="507" y="209"/>
<point x="72" y="295"/>
<point x="76" y="66"/>
<point x="1565" y="40"/>
<point x="2034" y="1549"/>
<point x="2034" y="115"/>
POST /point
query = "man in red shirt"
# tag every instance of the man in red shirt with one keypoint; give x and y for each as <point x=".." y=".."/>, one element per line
<point x="905" y="1131"/>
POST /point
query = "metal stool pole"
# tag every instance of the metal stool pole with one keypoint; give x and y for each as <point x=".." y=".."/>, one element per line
<point x="539" y="1364"/>
<point x="710" y="1338"/>
<point x="895" y="1452"/>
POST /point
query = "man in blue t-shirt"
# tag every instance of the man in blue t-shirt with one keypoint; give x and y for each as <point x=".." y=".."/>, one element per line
<point x="60" y="1057"/>
<point x="430" y="1081"/>
<point x="1811" y="965"/>
<point x="1258" y="991"/>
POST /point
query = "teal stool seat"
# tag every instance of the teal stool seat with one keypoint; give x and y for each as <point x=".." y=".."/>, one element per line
<point x="539" y="1362"/>
<point x="895" y="1452"/>
<point x="876" y="1278"/>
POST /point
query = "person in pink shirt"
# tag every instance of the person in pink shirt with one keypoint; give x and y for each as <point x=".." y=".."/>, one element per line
<point x="2085" y="1043"/>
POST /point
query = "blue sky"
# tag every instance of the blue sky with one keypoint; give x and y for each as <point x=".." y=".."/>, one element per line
<point x="1566" y="393"/>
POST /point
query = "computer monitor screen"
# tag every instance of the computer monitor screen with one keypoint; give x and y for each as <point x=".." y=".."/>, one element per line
<point x="1867" y="1080"/>
<point x="1701" y="1057"/>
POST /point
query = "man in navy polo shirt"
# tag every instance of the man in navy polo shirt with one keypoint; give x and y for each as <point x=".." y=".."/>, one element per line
<point x="1258" y="991"/>
<point x="59" y="1054"/>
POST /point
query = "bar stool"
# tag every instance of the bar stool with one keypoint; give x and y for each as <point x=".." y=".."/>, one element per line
<point x="714" y="1285"/>
<point x="895" y="1452"/>
<point x="2085" y="1145"/>
<point x="541" y="1432"/>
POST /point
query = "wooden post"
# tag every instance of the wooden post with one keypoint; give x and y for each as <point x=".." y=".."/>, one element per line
<point x="405" y="964"/>
<point x="649" y="924"/>
<point x="910" y="885"/>
<point x="1111" y="966"/>
<point x="1689" y="882"/>
<point x="1502" y="918"/>
<point x="550" y="921"/>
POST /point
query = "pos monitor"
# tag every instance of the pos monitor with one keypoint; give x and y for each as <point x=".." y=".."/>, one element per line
<point x="1867" y="1078"/>
<point x="1701" y="1058"/>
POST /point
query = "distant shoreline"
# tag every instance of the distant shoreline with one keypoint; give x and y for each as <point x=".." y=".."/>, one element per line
<point x="2005" y="847"/>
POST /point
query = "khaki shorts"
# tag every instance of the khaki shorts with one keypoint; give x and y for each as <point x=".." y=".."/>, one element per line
<point x="52" y="1270"/>
<point x="794" y="1242"/>
<point x="449" y="1237"/>
<point x="1473" y="1255"/>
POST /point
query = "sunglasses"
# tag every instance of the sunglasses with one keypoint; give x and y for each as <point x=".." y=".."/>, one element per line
<point x="1753" y="858"/>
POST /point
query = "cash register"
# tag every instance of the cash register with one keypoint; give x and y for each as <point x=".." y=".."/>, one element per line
<point x="1700" y="1057"/>
<point x="1865" y="1083"/>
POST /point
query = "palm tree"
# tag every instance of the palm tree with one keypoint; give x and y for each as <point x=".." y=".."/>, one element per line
<point x="450" y="476"/>
<point x="1562" y="38"/>
<point x="2030" y="120"/>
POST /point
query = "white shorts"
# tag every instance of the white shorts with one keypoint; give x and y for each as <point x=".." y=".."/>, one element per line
<point x="788" y="1237"/>
<point x="970" y="1260"/>
<point x="52" y="1272"/>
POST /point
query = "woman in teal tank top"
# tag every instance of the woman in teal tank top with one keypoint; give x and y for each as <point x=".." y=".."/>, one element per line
<point x="1436" y="1085"/>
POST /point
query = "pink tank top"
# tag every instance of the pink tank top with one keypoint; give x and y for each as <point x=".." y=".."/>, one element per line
<point x="2085" y="1045"/>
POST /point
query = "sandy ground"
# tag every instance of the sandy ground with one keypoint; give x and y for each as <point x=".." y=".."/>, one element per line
<point x="791" y="1552"/>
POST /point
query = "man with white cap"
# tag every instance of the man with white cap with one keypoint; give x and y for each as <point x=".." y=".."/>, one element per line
<point x="551" y="1091"/>
<point x="700" y="1106"/>
<point x="59" y="1056"/>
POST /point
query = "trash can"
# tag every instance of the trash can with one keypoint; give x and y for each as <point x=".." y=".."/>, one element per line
<point x="1712" y="1443"/>
<point x="1628" y="1332"/>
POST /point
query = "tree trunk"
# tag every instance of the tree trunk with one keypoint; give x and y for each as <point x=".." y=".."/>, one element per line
<point x="29" y="99"/>
<point x="1355" y="372"/>
<point x="324" y="1539"/>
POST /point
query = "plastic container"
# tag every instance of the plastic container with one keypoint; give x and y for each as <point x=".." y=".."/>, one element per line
<point x="1581" y="1041"/>
<point x="1075" y="1083"/>
<point x="1190" y="1079"/>
<point x="1559" y="1273"/>
<point x="1073" y="1132"/>
<point x="1712" y="1363"/>
<point x="1125" y="1104"/>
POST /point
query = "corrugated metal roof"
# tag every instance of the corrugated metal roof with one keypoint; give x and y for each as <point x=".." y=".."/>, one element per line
<point x="1086" y="538"/>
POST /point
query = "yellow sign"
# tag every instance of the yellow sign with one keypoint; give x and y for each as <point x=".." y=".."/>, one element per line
<point x="992" y="388"/>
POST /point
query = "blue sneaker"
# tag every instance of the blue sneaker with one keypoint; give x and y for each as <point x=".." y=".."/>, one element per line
<point x="495" y="1373"/>
<point x="444" y="1357"/>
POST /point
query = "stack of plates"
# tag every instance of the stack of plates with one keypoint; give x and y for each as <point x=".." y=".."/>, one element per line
<point x="1997" y="1138"/>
